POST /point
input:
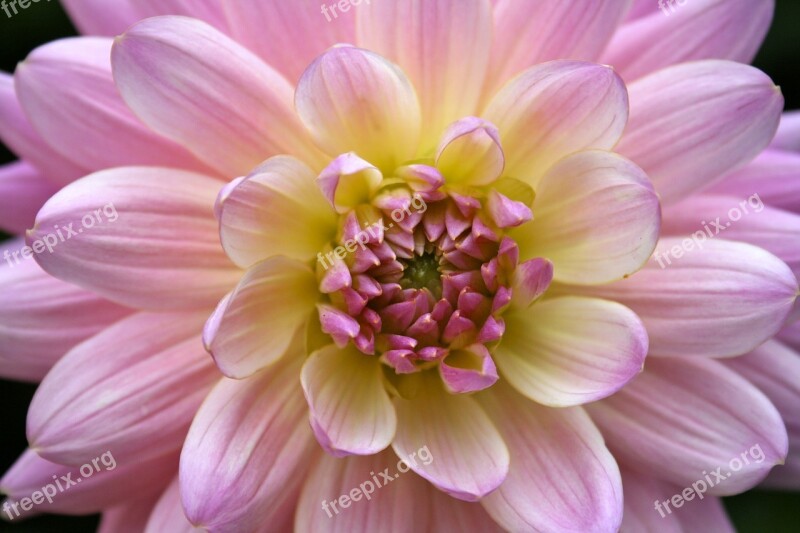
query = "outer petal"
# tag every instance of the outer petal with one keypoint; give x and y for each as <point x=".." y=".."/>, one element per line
<point x="470" y="459"/>
<point x="271" y="27"/>
<point x="353" y="100"/>
<point x="648" y="507"/>
<point x="573" y="350"/>
<point x="529" y="33"/>
<point x="246" y="454"/>
<point x="597" y="218"/>
<point x="774" y="176"/>
<point x="351" y="413"/>
<point x="562" y="477"/>
<point x="168" y="515"/>
<point x="351" y="495"/>
<point x="111" y="482"/>
<point x="101" y="17"/>
<point x="67" y="92"/>
<point x="127" y="517"/>
<point x="145" y="237"/>
<point x="23" y="190"/>
<point x="18" y="134"/>
<point x="741" y="219"/>
<point x="196" y="86"/>
<point x="555" y="109"/>
<point x="277" y="209"/>
<point x="788" y="136"/>
<point x="41" y="317"/>
<point x="692" y="123"/>
<point x="444" y="48"/>
<point x="775" y="368"/>
<point x="682" y="419"/>
<point x="117" y="392"/>
<point x="249" y="330"/>
<point x="690" y="30"/>
<point x="737" y="291"/>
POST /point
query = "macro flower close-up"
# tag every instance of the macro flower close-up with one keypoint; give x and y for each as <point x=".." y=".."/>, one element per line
<point x="399" y="265"/>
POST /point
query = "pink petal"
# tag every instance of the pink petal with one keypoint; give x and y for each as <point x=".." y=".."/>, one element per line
<point x="527" y="34"/>
<point x="692" y="123"/>
<point x="531" y="280"/>
<point x="262" y="26"/>
<point x="168" y="515"/>
<point x="67" y="92"/>
<point x="41" y="317"/>
<point x="788" y="136"/>
<point x="571" y="350"/>
<point x="145" y="237"/>
<point x="744" y="219"/>
<point x="774" y="175"/>
<point x="689" y="31"/>
<point x="470" y="459"/>
<point x="469" y="153"/>
<point x="23" y="190"/>
<point x="351" y="413"/>
<point x="444" y="48"/>
<point x="196" y="86"/>
<point x="115" y="392"/>
<point x="18" y="134"/>
<point x="554" y="109"/>
<point x="353" y="100"/>
<point x="774" y="368"/>
<point x="736" y="291"/>
<point x="128" y="517"/>
<point x="247" y="451"/>
<point x="648" y="507"/>
<point x="562" y="477"/>
<point x="101" y="17"/>
<point x="248" y="331"/>
<point x="682" y="419"/>
<point x="361" y="494"/>
<point x="597" y="219"/>
<point x="468" y="369"/>
<point x="276" y="210"/>
<point x="349" y="181"/>
<point x="111" y="482"/>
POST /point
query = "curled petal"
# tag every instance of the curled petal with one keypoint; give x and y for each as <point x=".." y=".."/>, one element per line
<point x="570" y="351"/>
<point x="348" y="182"/>
<point x="276" y="210"/>
<point x="555" y="109"/>
<point x="562" y="477"/>
<point x="172" y="71"/>
<point x="469" y="153"/>
<point x="351" y="413"/>
<point x="597" y="219"/>
<point x="248" y="331"/>
<point x="353" y="100"/>
<point x="470" y="459"/>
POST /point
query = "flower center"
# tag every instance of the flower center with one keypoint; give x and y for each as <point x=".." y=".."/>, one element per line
<point x="422" y="272"/>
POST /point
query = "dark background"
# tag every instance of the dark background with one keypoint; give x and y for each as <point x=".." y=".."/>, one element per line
<point x="756" y="511"/>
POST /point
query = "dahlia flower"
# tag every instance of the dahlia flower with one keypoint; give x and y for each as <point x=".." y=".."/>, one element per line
<point x="423" y="245"/>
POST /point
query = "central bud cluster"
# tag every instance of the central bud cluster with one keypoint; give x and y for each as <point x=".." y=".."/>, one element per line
<point x="420" y="271"/>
